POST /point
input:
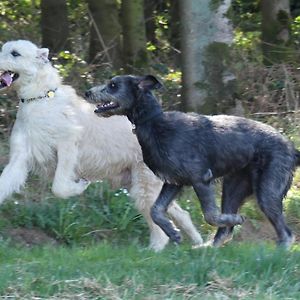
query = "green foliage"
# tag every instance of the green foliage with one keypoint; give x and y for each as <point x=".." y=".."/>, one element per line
<point x="246" y="18"/>
<point x="98" y="214"/>
<point x="245" y="15"/>
<point x="19" y="19"/>
<point x="296" y="31"/>
<point x="72" y="68"/>
<point x="245" y="40"/>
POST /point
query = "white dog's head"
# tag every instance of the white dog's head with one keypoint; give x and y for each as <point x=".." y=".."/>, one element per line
<point x="20" y="63"/>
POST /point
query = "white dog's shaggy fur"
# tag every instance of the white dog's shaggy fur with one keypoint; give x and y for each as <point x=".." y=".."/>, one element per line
<point x="59" y="135"/>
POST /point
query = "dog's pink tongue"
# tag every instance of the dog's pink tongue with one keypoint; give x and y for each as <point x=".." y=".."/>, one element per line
<point x="6" y="78"/>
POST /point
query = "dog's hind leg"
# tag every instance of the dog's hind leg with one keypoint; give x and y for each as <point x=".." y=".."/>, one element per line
<point x="65" y="184"/>
<point x="159" y="209"/>
<point x="15" y="173"/>
<point x="270" y="189"/>
<point x="236" y="187"/>
<point x="212" y="216"/>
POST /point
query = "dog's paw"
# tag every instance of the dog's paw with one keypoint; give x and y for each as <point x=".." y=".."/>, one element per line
<point x="81" y="185"/>
<point x="175" y="236"/>
<point x="287" y="242"/>
<point x="68" y="189"/>
<point x="221" y="240"/>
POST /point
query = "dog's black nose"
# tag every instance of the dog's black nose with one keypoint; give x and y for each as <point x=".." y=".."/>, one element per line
<point x="88" y="94"/>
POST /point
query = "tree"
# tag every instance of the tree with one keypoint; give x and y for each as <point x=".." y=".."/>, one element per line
<point x="208" y="84"/>
<point x="275" y="30"/>
<point x="105" y="32"/>
<point x="55" y="25"/>
<point x="175" y="24"/>
<point x="150" y="6"/>
<point x="134" y="35"/>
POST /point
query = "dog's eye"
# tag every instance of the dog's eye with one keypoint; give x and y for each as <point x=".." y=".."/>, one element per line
<point x="14" y="53"/>
<point x="112" y="85"/>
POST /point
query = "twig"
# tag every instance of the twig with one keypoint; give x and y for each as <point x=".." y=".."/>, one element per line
<point x="105" y="49"/>
<point x="280" y="113"/>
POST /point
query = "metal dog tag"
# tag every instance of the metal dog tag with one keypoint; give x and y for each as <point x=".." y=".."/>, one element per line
<point x="133" y="129"/>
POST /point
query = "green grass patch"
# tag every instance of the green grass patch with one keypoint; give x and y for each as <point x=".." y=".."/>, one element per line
<point x="104" y="271"/>
<point x="100" y="213"/>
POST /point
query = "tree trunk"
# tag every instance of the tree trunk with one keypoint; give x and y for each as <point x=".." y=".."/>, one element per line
<point x="105" y="32"/>
<point x="134" y="35"/>
<point x="175" y="24"/>
<point x="149" y="8"/>
<point x="206" y="34"/>
<point x="55" y="25"/>
<point x="275" y="30"/>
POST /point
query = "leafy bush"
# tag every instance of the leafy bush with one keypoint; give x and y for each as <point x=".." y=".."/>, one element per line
<point x="98" y="214"/>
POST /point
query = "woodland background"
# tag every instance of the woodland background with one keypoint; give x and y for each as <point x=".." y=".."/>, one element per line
<point x="237" y="57"/>
<point x="214" y="56"/>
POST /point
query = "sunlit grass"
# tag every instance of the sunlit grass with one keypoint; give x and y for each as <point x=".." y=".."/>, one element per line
<point x="129" y="272"/>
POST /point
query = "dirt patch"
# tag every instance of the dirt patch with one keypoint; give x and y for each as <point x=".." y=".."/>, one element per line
<point x="255" y="230"/>
<point x="29" y="237"/>
<point x="258" y="230"/>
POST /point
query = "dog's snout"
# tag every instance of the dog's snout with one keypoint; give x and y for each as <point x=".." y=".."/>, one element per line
<point x="88" y="94"/>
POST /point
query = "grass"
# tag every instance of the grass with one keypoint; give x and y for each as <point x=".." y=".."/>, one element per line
<point x="237" y="271"/>
<point x="100" y="213"/>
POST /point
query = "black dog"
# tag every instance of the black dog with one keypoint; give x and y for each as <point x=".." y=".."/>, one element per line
<point x="190" y="149"/>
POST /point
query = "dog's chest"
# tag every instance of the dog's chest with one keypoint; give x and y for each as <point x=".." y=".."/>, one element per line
<point x="159" y="164"/>
<point x="44" y="126"/>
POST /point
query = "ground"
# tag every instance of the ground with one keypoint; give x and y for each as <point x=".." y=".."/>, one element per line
<point x="250" y="231"/>
<point x="29" y="237"/>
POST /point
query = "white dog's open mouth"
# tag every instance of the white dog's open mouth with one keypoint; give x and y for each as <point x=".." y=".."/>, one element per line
<point x="106" y="106"/>
<point x="7" y="78"/>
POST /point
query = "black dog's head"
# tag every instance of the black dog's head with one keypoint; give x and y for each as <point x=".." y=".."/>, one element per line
<point x="120" y="94"/>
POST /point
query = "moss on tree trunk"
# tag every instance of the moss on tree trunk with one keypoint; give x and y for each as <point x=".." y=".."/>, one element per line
<point x="220" y="82"/>
<point x="208" y="85"/>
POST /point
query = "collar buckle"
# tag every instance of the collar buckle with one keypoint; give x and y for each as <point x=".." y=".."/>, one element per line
<point x="48" y="94"/>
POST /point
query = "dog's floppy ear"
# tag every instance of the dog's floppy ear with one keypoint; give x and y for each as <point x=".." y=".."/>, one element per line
<point x="42" y="54"/>
<point x="149" y="82"/>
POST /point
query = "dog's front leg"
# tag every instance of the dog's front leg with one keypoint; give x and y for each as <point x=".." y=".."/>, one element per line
<point x="15" y="173"/>
<point x="212" y="215"/>
<point x="159" y="209"/>
<point x="65" y="182"/>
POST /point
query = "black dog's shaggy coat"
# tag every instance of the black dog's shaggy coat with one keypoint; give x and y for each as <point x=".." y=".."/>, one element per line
<point x="191" y="149"/>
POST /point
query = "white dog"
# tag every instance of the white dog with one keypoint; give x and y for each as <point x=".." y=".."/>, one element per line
<point x="56" y="133"/>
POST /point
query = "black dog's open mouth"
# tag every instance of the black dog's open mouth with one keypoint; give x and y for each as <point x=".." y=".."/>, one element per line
<point x="106" y="106"/>
<point x="7" y="78"/>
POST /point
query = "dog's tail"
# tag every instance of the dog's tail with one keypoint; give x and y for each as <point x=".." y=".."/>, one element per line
<point x="297" y="158"/>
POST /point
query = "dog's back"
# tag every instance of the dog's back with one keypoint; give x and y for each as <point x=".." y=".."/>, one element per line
<point x="187" y="144"/>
